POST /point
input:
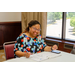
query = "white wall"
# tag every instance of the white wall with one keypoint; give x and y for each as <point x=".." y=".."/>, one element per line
<point x="10" y="16"/>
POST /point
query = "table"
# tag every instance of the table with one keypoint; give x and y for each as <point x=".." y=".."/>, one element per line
<point x="65" y="57"/>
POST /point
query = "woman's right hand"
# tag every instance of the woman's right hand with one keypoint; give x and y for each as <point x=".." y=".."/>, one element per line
<point x="27" y="54"/>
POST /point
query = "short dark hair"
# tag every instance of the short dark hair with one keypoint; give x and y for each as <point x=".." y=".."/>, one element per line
<point x="32" y="23"/>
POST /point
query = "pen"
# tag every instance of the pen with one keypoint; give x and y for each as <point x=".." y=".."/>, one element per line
<point x="33" y="51"/>
<point x="29" y="52"/>
<point x="26" y="50"/>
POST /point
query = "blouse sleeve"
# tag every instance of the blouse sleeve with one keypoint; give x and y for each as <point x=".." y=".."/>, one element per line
<point x="18" y="44"/>
<point x="42" y="41"/>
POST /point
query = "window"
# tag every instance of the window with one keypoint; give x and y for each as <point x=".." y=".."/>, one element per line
<point x="54" y="24"/>
<point x="61" y="25"/>
<point x="70" y="26"/>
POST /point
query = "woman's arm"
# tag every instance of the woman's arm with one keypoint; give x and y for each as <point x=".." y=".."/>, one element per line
<point x="48" y="48"/>
<point x="18" y="48"/>
<point x="20" y="54"/>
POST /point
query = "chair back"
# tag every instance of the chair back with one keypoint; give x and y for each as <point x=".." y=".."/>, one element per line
<point x="9" y="49"/>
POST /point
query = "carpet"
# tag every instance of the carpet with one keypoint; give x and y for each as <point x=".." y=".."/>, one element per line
<point x="2" y="56"/>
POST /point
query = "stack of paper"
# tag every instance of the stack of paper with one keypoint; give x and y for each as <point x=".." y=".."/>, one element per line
<point x="43" y="56"/>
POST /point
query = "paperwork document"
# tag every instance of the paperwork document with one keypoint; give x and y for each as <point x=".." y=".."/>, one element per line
<point x="43" y="56"/>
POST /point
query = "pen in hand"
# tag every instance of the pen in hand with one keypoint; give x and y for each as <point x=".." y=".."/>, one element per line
<point x="27" y="54"/>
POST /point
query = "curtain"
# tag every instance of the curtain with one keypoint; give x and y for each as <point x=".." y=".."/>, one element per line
<point x="39" y="16"/>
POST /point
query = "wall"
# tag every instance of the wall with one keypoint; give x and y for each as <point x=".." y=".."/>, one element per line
<point x="10" y="16"/>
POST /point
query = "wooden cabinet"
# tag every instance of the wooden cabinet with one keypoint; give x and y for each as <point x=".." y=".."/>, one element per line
<point x="9" y="31"/>
<point x="1" y="38"/>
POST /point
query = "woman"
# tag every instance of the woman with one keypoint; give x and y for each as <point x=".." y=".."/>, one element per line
<point x="30" y="41"/>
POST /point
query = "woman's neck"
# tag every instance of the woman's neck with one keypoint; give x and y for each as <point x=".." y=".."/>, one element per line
<point x="29" y="35"/>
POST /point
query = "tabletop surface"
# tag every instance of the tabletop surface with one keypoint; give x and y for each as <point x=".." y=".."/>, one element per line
<point x="62" y="57"/>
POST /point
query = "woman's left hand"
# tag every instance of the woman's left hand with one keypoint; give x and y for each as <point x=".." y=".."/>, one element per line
<point x="54" y="47"/>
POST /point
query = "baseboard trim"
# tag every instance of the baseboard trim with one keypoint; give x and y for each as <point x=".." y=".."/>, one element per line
<point x="8" y="23"/>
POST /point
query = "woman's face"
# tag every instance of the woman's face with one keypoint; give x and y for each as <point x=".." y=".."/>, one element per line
<point x="34" y="30"/>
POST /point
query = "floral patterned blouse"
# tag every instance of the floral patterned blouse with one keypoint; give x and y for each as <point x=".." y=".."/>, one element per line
<point x="28" y="44"/>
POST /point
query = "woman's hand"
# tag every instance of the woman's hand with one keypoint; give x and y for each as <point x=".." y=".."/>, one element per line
<point x="54" y="47"/>
<point x="27" y="54"/>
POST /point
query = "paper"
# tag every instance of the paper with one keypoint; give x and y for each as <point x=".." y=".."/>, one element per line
<point x="43" y="56"/>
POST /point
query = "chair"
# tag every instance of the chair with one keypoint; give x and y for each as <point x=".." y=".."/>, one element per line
<point x="9" y="49"/>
